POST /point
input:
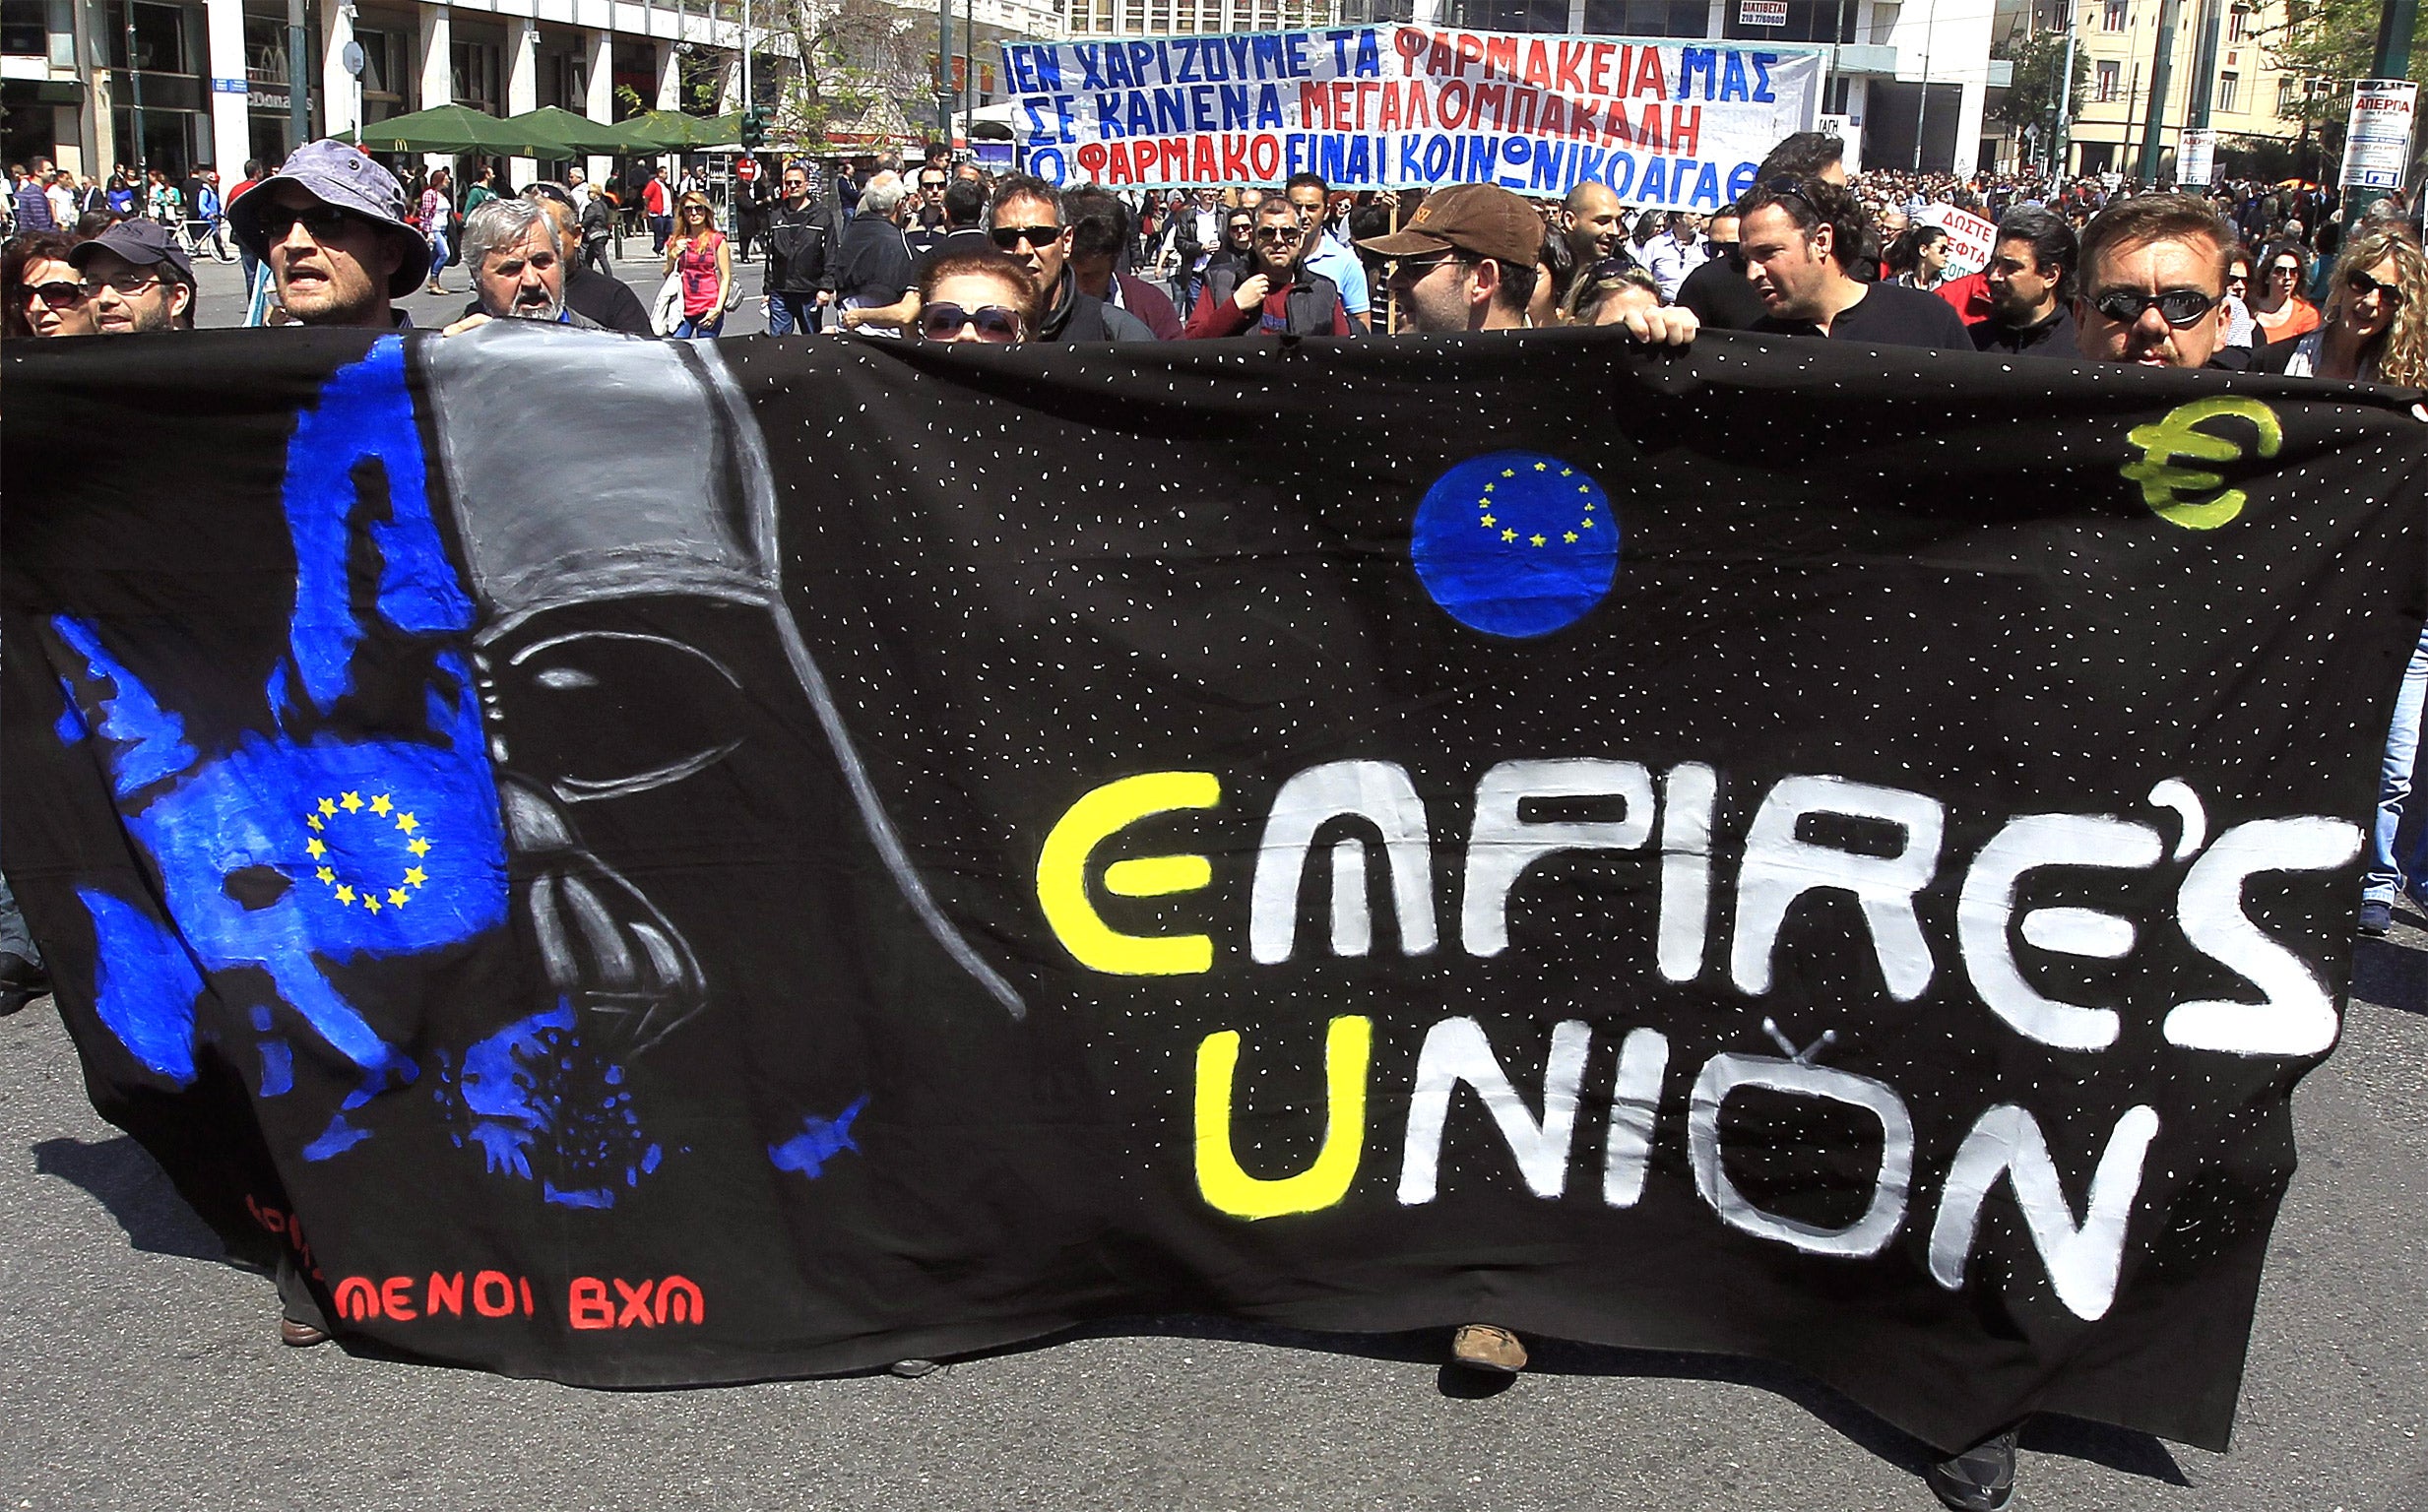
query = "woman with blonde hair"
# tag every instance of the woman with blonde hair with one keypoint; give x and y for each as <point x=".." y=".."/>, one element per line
<point x="2375" y="327"/>
<point x="698" y="252"/>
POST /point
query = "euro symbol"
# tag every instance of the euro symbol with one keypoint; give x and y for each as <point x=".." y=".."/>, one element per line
<point x="2172" y="482"/>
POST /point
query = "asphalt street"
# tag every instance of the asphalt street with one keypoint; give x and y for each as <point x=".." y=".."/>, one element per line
<point x="140" y="1370"/>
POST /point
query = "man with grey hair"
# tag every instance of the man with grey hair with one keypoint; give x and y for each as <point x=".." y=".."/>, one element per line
<point x="516" y="254"/>
<point x="872" y="266"/>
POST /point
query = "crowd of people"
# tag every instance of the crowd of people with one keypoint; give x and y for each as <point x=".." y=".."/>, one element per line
<point x="2249" y="278"/>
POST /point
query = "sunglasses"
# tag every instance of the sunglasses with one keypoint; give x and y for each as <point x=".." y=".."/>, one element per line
<point x="1419" y="267"/>
<point x="2363" y="285"/>
<point x="320" y="221"/>
<point x="1011" y="237"/>
<point x="992" y="322"/>
<point x="1790" y="189"/>
<point x="1239" y="228"/>
<point x="1283" y="234"/>
<point x="58" y="294"/>
<point x="2178" y="307"/>
<point x="2285" y="270"/>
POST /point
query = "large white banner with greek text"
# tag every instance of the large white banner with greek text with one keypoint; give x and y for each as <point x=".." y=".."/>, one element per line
<point x="1674" y="124"/>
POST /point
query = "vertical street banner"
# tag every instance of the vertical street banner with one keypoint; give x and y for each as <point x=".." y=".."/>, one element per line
<point x="651" y="863"/>
<point x="1675" y="125"/>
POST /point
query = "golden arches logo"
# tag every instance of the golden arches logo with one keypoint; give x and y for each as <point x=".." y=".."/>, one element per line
<point x="2174" y="484"/>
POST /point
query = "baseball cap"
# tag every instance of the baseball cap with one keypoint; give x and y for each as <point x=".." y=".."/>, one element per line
<point x="140" y="242"/>
<point x="1482" y="220"/>
<point x="335" y="173"/>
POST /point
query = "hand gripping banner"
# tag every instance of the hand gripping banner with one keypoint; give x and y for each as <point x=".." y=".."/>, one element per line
<point x="649" y="864"/>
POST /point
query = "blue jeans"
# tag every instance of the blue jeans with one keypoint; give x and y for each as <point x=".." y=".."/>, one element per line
<point x="787" y="313"/>
<point x="2386" y="873"/>
<point x="438" y="253"/>
<point x="704" y="326"/>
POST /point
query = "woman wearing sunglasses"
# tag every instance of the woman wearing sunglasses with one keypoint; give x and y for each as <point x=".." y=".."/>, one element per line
<point x="2376" y="326"/>
<point x="45" y="294"/>
<point x="976" y="296"/>
<point x="2277" y="303"/>
<point x="698" y="253"/>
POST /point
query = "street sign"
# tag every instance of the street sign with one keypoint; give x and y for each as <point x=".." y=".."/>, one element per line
<point x="1761" y="13"/>
<point x="352" y="57"/>
<point x="2377" y="144"/>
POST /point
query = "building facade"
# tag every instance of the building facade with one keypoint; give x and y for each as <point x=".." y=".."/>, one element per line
<point x="206" y="83"/>
<point x="2220" y="67"/>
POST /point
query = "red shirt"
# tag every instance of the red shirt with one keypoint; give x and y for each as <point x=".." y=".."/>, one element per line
<point x="653" y="196"/>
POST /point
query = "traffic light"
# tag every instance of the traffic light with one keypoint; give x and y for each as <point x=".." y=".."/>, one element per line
<point x="755" y="122"/>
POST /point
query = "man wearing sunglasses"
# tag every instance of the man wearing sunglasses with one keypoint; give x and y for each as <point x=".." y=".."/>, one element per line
<point x="2152" y="285"/>
<point x="136" y="280"/>
<point x="1025" y="223"/>
<point x="1465" y="261"/>
<point x="1280" y="295"/>
<point x="330" y="225"/>
<point x="1802" y="238"/>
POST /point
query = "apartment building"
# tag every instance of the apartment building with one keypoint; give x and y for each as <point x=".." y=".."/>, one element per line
<point x="2220" y="46"/>
<point x="209" y="79"/>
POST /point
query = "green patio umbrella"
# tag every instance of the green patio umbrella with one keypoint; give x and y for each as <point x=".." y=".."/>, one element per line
<point x="673" y="131"/>
<point x="568" y="134"/>
<point x="448" y="129"/>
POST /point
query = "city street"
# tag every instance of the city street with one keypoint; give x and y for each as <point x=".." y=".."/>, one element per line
<point x="140" y="1371"/>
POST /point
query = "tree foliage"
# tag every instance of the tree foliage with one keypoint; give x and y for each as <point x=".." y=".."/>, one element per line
<point x="2332" y="41"/>
<point x="2038" y="58"/>
<point x="859" y="58"/>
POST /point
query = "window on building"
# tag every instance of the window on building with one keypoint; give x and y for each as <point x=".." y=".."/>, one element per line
<point x="2113" y="18"/>
<point x="2230" y="92"/>
<point x="475" y="76"/>
<point x="2238" y="25"/>
<point x="1159" y="18"/>
<point x="2289" y="95"/>
<point x="2110" y="81"/>
<point x="265" y="50"/>
<point x="23" y="27"/>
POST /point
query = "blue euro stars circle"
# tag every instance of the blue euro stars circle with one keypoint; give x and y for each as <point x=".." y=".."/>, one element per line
<point x="1516" y="543"/>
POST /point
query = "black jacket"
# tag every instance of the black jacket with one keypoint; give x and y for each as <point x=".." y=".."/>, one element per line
<point x="871" y="262"/>
<point x="798" y="243"/>
<point x="2051" y="338"/>
<point x="1079" y="317"/>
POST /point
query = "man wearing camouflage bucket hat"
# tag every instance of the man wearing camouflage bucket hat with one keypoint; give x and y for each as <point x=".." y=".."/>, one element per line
<point x="330" y="225"/>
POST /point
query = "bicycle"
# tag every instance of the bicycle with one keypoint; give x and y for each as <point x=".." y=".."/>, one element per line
<point x="203" y="238"/>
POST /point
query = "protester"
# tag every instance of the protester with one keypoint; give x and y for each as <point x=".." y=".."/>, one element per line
<point x="331" y="226"/>
<point x="1607" y="293"/>
<point x="1281" y="296"/>
<point x="604" y="300"/>
<point x="1675" y="253"/>
<point x="484" y="189"/>
<point x="2241" y="330"/>
<point x="136" y="280"/>
<point x="1100" y="229"/>
<point x="515" y="250"/>
<point x="32" y="198"/>
<point x="45" y="292"/>
<point x="1025" y="222"/>
<point x="1586" y="231"/>
<point x="976" y="296"/>
<point x="438" y="223"/>
<point x="1235" y="250"/>
<point x="2279" y="309"/>
<point x="658" y="204"/>
<point x="697" y="251"/>
<point x="965" y="228"/>
<point x="872" y="272"/>
<point x="2152" y="287"/>
<point x="1465" y="261"/>
<point x="1332" y="259"/>
<point x="800" y="231"/>
<point x="1717" y="291"/>
<point x="753" y="195"/>
<point x="2376" y="326"/>
<point x="1799" y="235"/>
<point x="1196" y="236"/>
<point x="1918" y="259"/>
<point x="925" y="230"/>
<point x="2030" y="277"/>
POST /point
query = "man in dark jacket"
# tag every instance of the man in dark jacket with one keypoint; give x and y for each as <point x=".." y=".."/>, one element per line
<point x="871" y="268"/>
<point x="1280" y="295"/>
<point x="799" y="233"/>
<point x="2030" y="278"/>
<point x="1100" y="232"/>
<point x="1025" y="220"/>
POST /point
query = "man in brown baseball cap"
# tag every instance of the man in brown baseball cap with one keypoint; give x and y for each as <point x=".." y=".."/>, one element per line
<point x="1467" y="260"/>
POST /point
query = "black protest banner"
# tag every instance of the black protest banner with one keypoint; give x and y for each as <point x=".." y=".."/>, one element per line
<point x="649" y="864"/>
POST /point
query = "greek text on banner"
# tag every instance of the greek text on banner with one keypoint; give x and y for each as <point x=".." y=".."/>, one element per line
<point x="1666" y="124"/>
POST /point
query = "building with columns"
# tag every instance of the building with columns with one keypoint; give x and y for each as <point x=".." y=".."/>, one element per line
<point x="211" y="78"/>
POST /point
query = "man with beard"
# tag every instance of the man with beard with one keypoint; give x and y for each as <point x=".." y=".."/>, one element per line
<point x="330" y="225"/>
<point x="136" y="280"/>
<point x="516" y="254"/>
<point x="1280" y="295"/>
<point x="1025" y="222"/>
<point x="2030" y="277"/>
<point x="1803" y="237"/>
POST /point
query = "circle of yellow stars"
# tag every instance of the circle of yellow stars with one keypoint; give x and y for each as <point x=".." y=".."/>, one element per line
<point x="353" y="808"/>
<point x="1491" y="521"/>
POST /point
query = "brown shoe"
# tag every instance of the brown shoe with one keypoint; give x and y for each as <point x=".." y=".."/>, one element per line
<point x="1487" y="1346"/>
<point x="300" y="1336"/>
